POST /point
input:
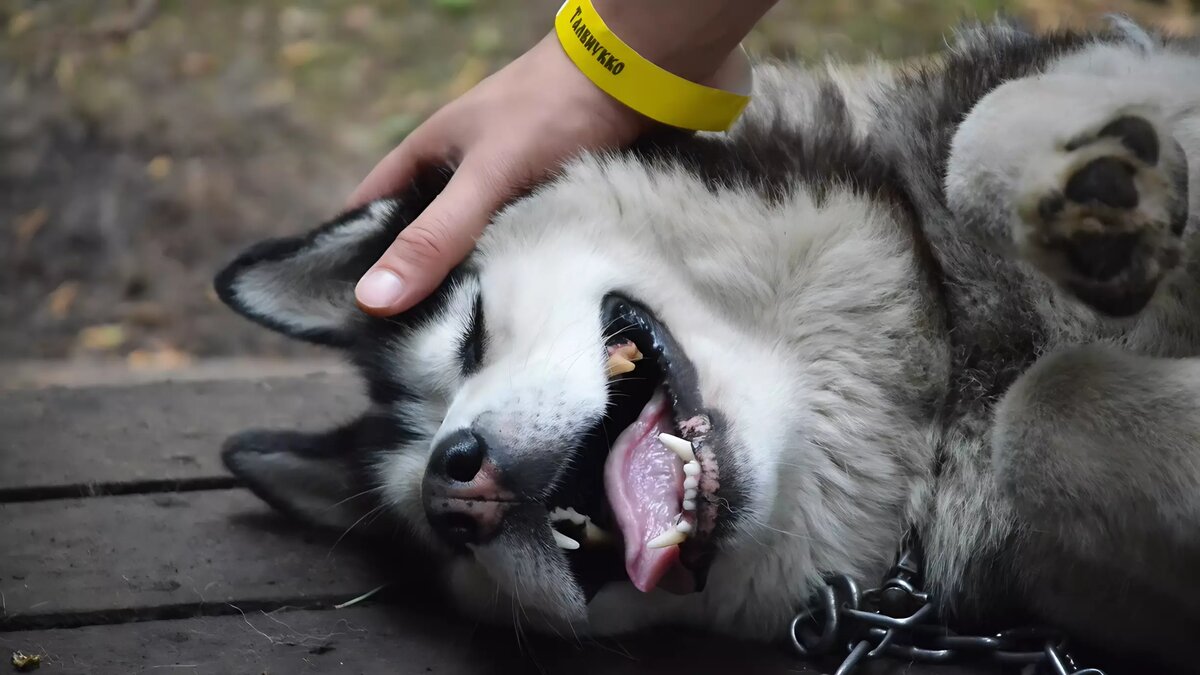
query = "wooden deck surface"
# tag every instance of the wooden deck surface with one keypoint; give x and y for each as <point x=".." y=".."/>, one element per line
<point x="126" y="548"/>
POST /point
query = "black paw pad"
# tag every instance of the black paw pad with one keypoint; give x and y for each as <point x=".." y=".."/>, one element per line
<point x="1136" y="134"/>
<point x="1101" y="257"/>
<point x="1107" y="181"/>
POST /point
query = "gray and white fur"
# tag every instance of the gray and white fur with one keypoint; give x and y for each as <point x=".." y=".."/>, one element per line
<point x="961" y="298"/>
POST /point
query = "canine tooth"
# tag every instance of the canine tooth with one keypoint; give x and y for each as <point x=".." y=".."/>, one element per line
<point x="692" y="468"/>
<point x="669" y="538"/>
<point x="683" y="526"/>
<point x="689" y="494"/>
<point x="689" y="505"/>
<point x="564" y="541"/>
<point x="619" y="365"/>
<point x="691" y="483"/>
<point x="627" y="350"/>
<point x="679" y="446"/>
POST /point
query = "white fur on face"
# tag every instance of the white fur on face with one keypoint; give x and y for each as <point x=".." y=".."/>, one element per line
<point x="715" y="268"/>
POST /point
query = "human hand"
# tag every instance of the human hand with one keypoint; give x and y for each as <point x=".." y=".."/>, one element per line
<point x="501" y="137"/>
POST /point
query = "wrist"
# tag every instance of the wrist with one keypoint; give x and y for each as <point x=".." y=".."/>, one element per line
<point x="694" y="39"/>
<point x="629" y="77"/>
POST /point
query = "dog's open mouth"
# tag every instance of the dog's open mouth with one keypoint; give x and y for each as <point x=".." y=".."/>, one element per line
<point x="641" y="500"/>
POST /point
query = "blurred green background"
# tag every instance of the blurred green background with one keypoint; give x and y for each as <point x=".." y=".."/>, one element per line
<point x="143" y="142"/>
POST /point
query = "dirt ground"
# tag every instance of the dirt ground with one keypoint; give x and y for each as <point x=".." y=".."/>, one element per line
<point x="144" y="142"/>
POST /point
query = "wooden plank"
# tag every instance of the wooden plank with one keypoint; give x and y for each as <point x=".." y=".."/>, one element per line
<point x="398" y="641"/>
<point x="77" y="374"/>
<point x="105" y="559"/>
<point x="62" y="442"/>
<point x="372" y="640"/>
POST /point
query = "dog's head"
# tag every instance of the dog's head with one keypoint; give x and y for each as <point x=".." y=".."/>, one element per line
<point x="539" y="418"/>
<point x="639" y="387"/>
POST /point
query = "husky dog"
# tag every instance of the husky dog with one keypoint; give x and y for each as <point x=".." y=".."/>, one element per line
<point x="680" y="383"/>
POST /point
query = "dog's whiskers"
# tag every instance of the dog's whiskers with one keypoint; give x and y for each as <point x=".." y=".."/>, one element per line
<point x="353" y="525"/>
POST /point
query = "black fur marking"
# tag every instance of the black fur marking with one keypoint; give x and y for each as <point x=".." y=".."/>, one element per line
<point x="775" y="158"/>
<point x="372" y="352"/>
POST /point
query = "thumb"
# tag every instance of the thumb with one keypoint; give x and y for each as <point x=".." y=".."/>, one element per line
<point x="437" y="240"/>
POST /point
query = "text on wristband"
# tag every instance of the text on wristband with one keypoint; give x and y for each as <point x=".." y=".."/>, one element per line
<point x="606" y="58"/>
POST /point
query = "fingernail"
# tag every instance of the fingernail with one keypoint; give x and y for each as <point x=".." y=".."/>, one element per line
<point x="379" y="289"/>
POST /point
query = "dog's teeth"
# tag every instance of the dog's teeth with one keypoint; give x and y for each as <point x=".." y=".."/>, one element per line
<point x="691" y="483"/>
<point x="627" y="350"/>
<point x="671" y="537"/>
<point x="689" y="494"/>
<point x="683" y="526"/>
<point x="619" y="365"/>
<point x="692" y="468"/>
<point x="595" y="535"/>
<point x="564" y="541"/>
<point x="689" y="505"/>
<point x="569" y="514"/>
<point x="679" y="447"/>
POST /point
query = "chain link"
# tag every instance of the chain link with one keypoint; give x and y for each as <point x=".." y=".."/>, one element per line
<point x="898" y="620"/>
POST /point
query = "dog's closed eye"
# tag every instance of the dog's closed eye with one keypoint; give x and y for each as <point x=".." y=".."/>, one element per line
<point x="470" y="351"/>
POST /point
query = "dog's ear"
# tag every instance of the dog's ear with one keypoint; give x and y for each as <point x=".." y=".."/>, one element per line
<point x="321" y="479"/>
<point x="304" y="286"/>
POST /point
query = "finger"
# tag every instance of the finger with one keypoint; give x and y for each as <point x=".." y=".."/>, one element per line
<point x="440" y="238"/>
<point x="399" y="167"/>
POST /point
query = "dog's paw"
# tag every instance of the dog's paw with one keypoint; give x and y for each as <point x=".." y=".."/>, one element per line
<point x="1103" y="214"/>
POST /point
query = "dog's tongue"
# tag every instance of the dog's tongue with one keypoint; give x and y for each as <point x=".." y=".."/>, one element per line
<point x="644" y="483"/>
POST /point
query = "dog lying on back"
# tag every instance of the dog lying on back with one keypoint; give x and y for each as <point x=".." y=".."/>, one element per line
<point x="679" y="384"/>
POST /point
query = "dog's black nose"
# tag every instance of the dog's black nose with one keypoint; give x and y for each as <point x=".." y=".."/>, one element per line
<point x="458" y="457"/>
<point x="464" y="500"/>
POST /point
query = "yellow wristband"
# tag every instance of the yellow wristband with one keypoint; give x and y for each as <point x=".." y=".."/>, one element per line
<point x="622" y="73"/>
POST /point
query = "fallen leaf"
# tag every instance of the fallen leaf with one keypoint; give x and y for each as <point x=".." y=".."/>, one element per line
<point x="299" y="53"/>
<point x="473" y="70"/>
<point x="104" y="337"/>
<point x="164" y="358"/>
<point x="29" y="224"/>
<point x="159" y="167"/>
<point x="62" y="298"/>
<point x="21" y="22"/>
<point x="26" y="662"/>
<point x="64" y="71"/>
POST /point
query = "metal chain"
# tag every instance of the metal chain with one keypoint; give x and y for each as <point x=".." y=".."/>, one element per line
<point x="899" y="620"/>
